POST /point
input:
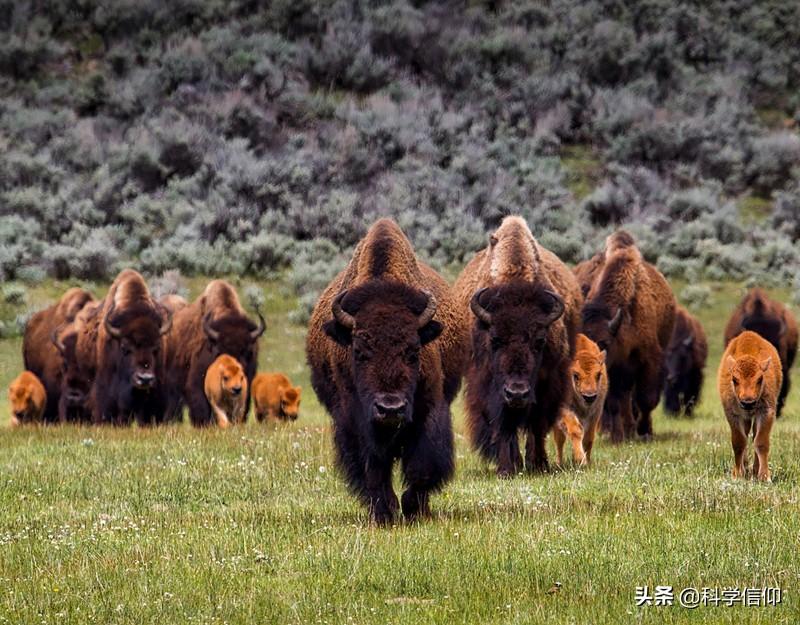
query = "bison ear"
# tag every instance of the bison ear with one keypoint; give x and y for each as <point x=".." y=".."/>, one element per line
<point x="492" y="240"/>
<point x="430" y="331"/>
<point x="730" y="361"/>
<point x="339" y="333"/>
<point x="765" y="365"/>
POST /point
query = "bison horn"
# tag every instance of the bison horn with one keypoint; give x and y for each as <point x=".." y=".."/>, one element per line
<point x="210" y="332"/>
<point x="479" y="311"/>
<point x="687" y="342"/>
<point x="613" y="325"/>
<point x="113" y="331"/>
<point x="558" y="307"/>
<point x="783" y="328"/>
<point x="342" y="317"/>
<point x="429" y="312"/>
<point x="262" y="325"/>
<point x="55" y="337"/>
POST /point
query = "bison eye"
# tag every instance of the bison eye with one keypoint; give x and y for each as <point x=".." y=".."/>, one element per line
<point x="412" y="356"/>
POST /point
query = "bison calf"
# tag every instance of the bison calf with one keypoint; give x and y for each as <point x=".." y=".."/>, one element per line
<point x="274" y="397"/>
<point x="226" y="390"/>
<point x="685" y="360"/>
<point x="749" y="381"/>
<point x="28" y="398"/>
<point x="580" y="419"/>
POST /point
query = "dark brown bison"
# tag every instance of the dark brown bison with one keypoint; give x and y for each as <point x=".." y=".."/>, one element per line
<point x="685" y="361"/>
<point x="39" y="352"/>
<point x="214" y="324"/>
<point x="774" y="322"/>
<point x="525" y="313"/>
<point x="386" y="356"/>
<point x="630" y="313"/>
<point x="123" y="341"/>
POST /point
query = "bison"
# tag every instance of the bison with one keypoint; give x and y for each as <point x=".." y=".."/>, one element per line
<point x="386" y="355"/>
<point x="225" y="387"/>
<point x="77" y="374"/>
<point x="772" y="321"/>
<point x="123" y="341"/>
<point x="685" y="359"/>
<point x="275" y="397"/>
<point x="630" y="314"/>
<point x="522" y="306"/>
<point x="39" y="353"/>
<point x="580" y="418"/>
<point x="28" y="399"/>
<point x="214" y="324"/>
<point x="749" y="385"/>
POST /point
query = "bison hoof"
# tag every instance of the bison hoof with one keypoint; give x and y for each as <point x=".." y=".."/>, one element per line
<point x="415" y="505"/>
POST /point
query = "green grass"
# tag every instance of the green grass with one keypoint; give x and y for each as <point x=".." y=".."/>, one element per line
<point x="584" y="169"/>
<point x="754" y="209"/>
<point x="253" y="525"/>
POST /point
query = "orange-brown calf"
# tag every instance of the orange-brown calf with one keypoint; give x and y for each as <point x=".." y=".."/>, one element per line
<point x="274" y="397"/>
<point x="749" y="379"/>
<point x="580" y="417"/>
<point x="226" y="390"/>
<point x="27" y="397"/>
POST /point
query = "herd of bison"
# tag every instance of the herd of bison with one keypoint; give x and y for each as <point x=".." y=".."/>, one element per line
<point x="541" y="348"/>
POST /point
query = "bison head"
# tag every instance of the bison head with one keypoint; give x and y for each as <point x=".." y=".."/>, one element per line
<point x="384" y="326"/>
<point x="290" y="402"/>
<point x="679" y="359"/>
<point x="235" y="335"/>
<point x="514" y="320"/>
<point x="747" y="379"/>
<point x="137" y="334"/>
<point x="76" y="376"/>
<point x="588" y="371"/>
<point x="602" y="325"/>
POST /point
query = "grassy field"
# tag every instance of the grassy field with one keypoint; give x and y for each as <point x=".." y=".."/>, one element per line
<point x="253" y="525"/>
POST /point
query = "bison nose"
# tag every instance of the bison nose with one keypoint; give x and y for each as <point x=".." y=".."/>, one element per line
<point x="73" y="396"/>
<point x="589" y="399"/>
<point x="144" y="379"/>
<point x="236" y="390"/>
<point x="390" y="407"/>
<point x="517" y="392"/>
<point x="19" y="414"/>
<point x="748" y="404"/>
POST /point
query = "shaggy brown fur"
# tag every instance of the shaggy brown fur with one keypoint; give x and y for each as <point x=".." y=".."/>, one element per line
<point x="518" y="375"/>
<point x="275" y="397"/>
<point x="685" y="361"/>
<point x="580" y="418"/>
<point x="214" y="324"/>
<point x="774" y="322"/>
<point x="28" y="398"/>
<point x="225" y="387"/>
<point x="39" y="352"/>
<point x="386" y="380"/>
<point x="122" y="339"/>
<point x="749" y="382"/>
<point x="630" y="313"/>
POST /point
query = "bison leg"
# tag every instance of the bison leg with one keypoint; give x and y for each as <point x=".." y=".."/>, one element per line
<point x="739" y="444"/>
<point x="199" y="408"/>
<point x="427" y="464"/>
<point x="783" y="393"/>
<point x="381" y="499"/>
<point x="589" y="432"/>
<point x="761" y="458"/>
<point x="535" y="451"/>
<point x="509" y="458"/>
<point x="559" y="438"/>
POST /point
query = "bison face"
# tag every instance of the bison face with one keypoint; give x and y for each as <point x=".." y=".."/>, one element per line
<point x="602" y="325"/>
<point x="137" y="337"/>
<point x="76" y="377"/>
<point x="384" y="327"/>
<point x="747" y="379"/>
<point x="290" y="403"/>
<point x="236" y="336"/>
<point x="20" y="396"/>
<point x="679" y="360"/>
<point x="587" y="376"/>
<point x="512" y="325"/>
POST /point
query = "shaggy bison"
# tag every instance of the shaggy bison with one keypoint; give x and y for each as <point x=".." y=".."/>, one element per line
<point x="772" y="321"/>
<point x="77" y="374"/>
<point x="214" y="324"/>
<point x="226" y="389"/>
<point x="28" y="398"/>
<point x="580" y="417"/>
<point x="749" y="382"/>
<point x="630" y="313"/>
<point x="386" y="354"/>
<point x="525" y="311"/>
<point x="123" y="340"/>
<point x="275" y="397"/>
<point x="39" y="353"/>
<point x="685" y="360"/>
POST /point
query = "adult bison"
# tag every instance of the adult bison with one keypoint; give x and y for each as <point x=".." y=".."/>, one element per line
<point x="39" y="352"/>
<point x="123" y="341"/>
<point x="774" y="322"/>
<point x="525" y="313"/>
<point x="214" y="324"/>
<point x="630" y="313"/>
<point x="386" y="356"/>
<point x="685" y="361"/>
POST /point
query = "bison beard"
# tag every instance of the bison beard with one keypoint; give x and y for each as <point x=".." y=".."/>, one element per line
<point x="392" y="406"/>
<point x="516" y="379"/>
